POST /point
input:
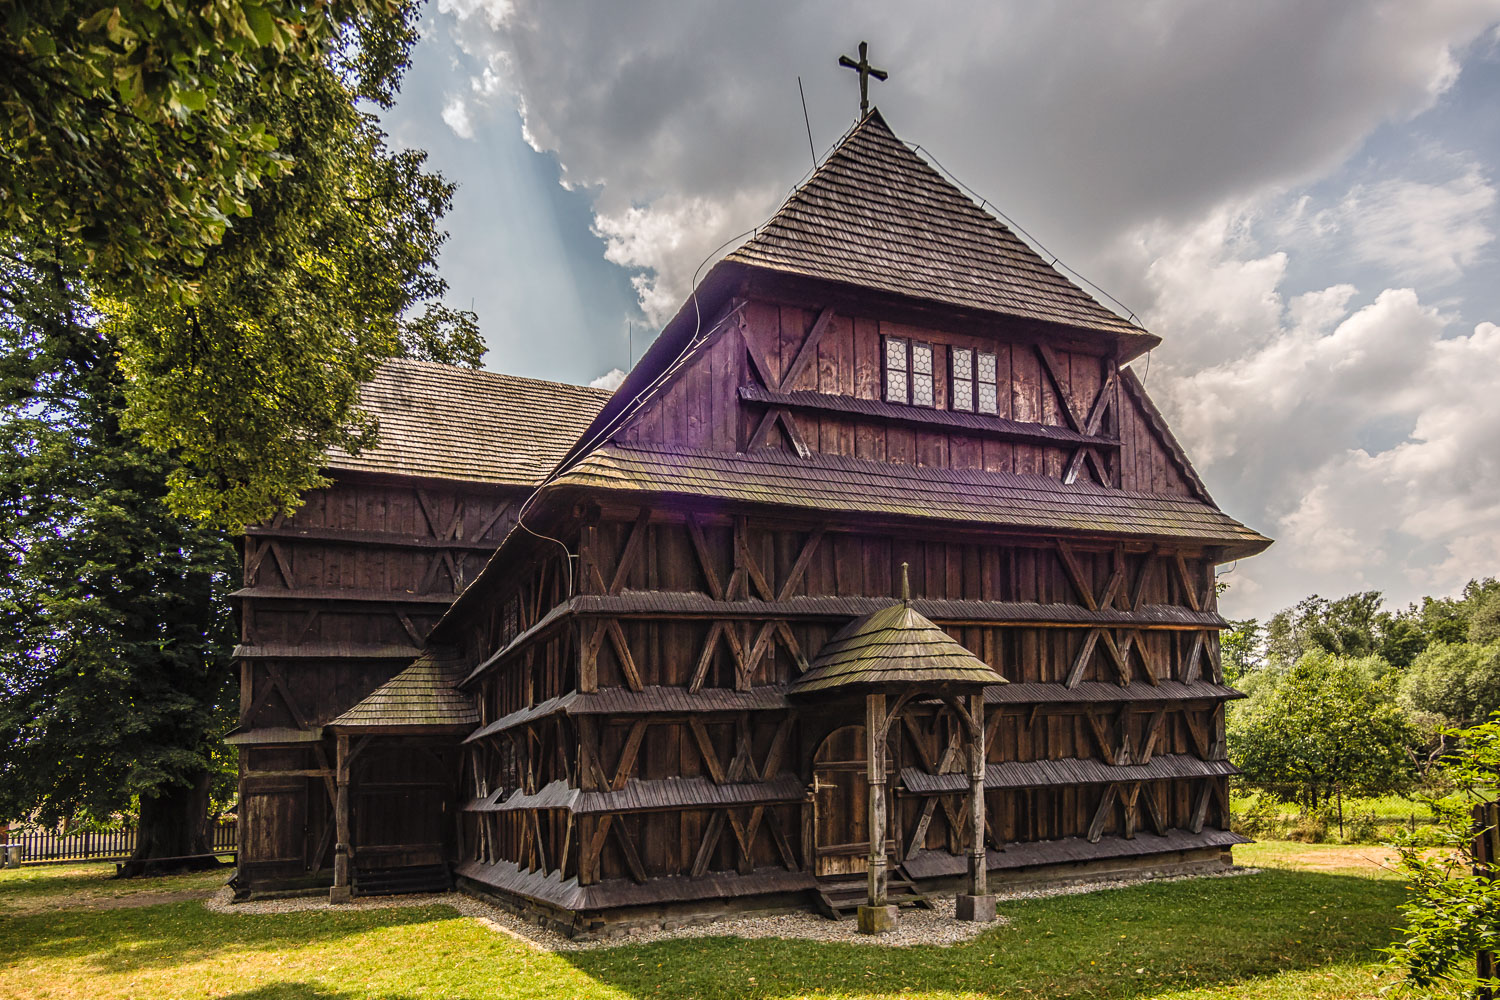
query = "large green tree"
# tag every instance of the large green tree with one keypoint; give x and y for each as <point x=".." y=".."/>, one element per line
<point x="115" y="669"/>
<point x="257" y="247"/>
<point x="1326" y="725"/>
<point x="135" y="412"/>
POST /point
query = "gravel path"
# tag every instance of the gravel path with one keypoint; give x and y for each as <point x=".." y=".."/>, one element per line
<point x="916" y="926"/>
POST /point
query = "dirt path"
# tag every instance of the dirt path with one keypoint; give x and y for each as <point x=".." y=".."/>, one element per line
<point x="1326" y="858"/>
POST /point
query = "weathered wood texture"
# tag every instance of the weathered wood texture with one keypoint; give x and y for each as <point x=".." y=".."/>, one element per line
<point x="531" y="657"/>
<point x="336" y="600"/>
<point x="785" y="350"/>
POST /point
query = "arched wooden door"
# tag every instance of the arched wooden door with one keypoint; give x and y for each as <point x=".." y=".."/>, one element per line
<point x="841" y="803"/>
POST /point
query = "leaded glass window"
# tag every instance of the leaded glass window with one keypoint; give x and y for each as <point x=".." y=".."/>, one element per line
<point x="985" y="383"/>
<point x="897" y="370"/>
<point x="921" y="375"/>
<point x="961" y="362"/>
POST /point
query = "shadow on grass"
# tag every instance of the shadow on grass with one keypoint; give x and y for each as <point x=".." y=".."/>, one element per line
<point x="1123" y="943"/>
<point x="1128" y="942"/>
<point x="181" y="933"/>
<point x="307" y="991"/>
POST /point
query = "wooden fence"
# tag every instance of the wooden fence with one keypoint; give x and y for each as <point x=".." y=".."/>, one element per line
<point x="1486" y="851"/>
<point x="40" y="846"/>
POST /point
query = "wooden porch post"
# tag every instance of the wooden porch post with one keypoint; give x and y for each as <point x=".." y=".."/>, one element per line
<point x="342" y="891"/>
<point x="876" y="917"/>
<point x="977" y="903"/>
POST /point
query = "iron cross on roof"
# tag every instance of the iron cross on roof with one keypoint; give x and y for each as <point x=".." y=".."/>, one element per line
<point x="865" y="72"/>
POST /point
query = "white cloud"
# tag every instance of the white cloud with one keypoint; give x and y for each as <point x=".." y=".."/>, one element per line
<point x="1422" y="231"/>
<point x="684" y="121"/>
<point x="609" y="380"/>
<point x="1167" y="150"/>
<point x="1364" y="433"/>
<point x="456" y="116"/>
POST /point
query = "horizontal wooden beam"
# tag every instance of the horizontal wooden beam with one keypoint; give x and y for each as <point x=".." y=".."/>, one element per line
<point x="957" y="421"/>
<point x="356" y="537"/>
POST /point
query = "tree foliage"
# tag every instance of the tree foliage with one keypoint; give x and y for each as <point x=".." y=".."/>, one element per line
<point x="257" y="248"/>
<point x="120" y="123"/>
<point x="1453" y="684"/>
<point x="1327" y="724"/>
<point x="115" y="611"/>
<point x="1453" y="912"/>
<point x="332" y="272"/>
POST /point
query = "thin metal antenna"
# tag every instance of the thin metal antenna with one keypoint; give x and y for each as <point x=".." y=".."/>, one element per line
<point x="808" y="122"/>
<point x="630" y="336"/>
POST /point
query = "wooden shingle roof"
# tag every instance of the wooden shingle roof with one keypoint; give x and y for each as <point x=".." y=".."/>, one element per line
<point x="877" y="215"/>
<point x="421" y="696"/>
<point x="447" y="422"/>
<point x="895" y="645"/>
<point x="858" y="486"/>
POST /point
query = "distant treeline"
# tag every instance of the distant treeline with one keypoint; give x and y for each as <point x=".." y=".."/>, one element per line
<point x="1347" y="697"/>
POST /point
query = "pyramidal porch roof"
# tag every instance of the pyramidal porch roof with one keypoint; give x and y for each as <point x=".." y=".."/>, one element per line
<point x="421" y="697"/>
<point x="895" y="645"/>
<point x="877" y="215"/>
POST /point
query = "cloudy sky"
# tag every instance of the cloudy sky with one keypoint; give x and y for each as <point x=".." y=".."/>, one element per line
<point x="1299" y="198"/>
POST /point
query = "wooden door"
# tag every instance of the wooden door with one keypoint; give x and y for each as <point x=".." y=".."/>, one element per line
<point x="273" y="824"/>
<point x="841" y="803"/>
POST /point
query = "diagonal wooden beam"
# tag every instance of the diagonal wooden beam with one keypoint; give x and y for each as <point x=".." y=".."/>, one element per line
<point x="705" y="559"/>
<point x="747" y="559"/>
<point x="706" y="749"/>
<point x="1195" y="730"/>
<point x="1190" y="662"/>
<point x="632" y="856"/>
<point x="628" y="754"/>
<point x="758" y="363"/>
<point x="1130" y="798"/>
<point x="1116" y="582"/>
<point x="1081" y="661"/>
<point x="1101" y="815"/>
<point x="490" y="520"/>
<point x="919" y="833"/>
<point x="622" y="650"/>
<point x="795" y="574"/>
<point x="1096" y="726"/>
<point x="780" y="839"/>
<point x="1076" y="575"/>
<point x="1185" y="580"/>
<point x="1142" y="577"/>
<point x="632" y="547"/>
<point x="429" y="512"/>
<point x="712" y="831"/>
<point x="1122" y="666"/>
<point x="809" y="349"/>
<point x="1153" y="733"/>
<point x="1051" y="365"/>
<point x="1153" y="810"/>
<point x="1200" y="806"/>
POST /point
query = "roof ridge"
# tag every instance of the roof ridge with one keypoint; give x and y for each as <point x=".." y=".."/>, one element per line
<point x="492" y="373"/>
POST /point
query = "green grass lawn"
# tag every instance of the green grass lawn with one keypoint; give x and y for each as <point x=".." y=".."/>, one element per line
<point x="1307" y="927"/>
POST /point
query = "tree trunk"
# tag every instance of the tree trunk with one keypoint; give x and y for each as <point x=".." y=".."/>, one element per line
<point x="173" y="831"/>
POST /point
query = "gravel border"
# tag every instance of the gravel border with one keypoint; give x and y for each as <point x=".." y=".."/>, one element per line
<point x="935" y="927"/>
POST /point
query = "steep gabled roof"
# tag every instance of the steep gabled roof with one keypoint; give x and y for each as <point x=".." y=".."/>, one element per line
<point x="421" y="696"/>
<point x="877" y="215"/>
<point x="447" y="422"/>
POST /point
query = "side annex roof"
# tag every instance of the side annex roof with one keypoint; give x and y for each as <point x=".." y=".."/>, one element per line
<point x="450" y="422"/>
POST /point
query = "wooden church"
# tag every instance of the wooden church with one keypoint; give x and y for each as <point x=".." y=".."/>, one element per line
<point x="880" y="576"/>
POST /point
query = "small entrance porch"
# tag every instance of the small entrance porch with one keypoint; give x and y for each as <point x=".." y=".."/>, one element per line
<point x="864" y="679"/>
